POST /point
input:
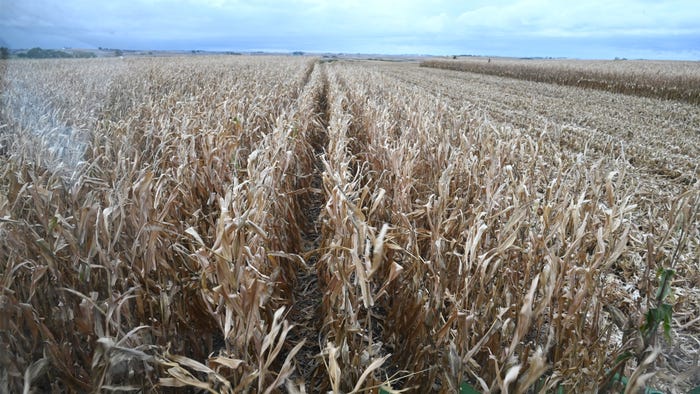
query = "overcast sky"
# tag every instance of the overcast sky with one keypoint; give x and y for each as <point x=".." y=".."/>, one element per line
<point x="586" y="29"/>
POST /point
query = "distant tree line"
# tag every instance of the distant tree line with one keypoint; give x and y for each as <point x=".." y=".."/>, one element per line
<point x="39" y="53"/>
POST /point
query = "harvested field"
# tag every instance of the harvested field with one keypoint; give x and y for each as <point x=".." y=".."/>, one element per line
<point x="673" y="80"/>
<point x="280" y="224"/>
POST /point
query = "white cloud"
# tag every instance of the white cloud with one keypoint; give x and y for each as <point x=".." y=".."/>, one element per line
<point x="344" y="25"/>
<point x="595" y="18"/>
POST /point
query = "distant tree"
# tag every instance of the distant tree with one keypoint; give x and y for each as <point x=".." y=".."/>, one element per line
<point x="4" y="53"/>
<point x="118" y="53"/>
<point x="84" y="54"/>
<point x="35" y="53"/>
<point x="38" y="53"/>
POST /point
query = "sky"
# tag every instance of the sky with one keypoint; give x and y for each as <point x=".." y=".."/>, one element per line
<point x="605" y="29"/>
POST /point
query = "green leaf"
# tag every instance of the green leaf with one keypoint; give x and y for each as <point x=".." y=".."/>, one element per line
<point x="664" y="283"/>
<point x="466" y="388"/>
<point x="656" y="316"/>
<point x="623" y="357"/>
<point x="666" y="314"/>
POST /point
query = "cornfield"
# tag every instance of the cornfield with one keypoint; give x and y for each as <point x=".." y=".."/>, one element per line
<point x="282" y="224"/>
